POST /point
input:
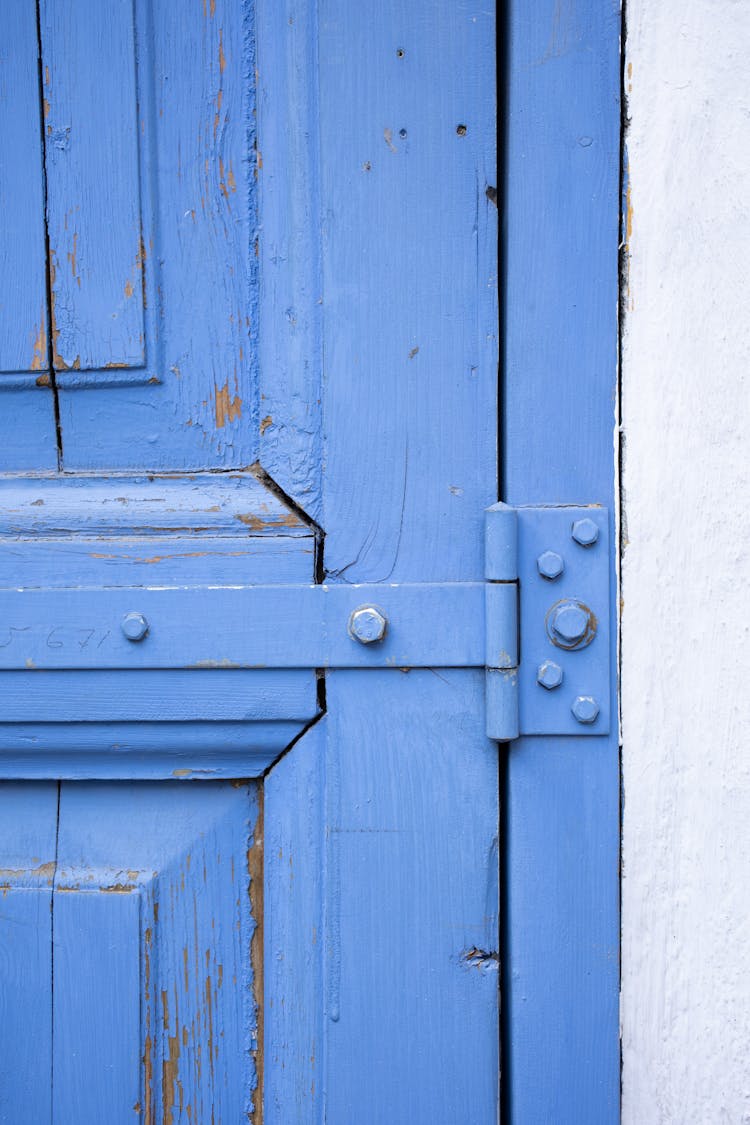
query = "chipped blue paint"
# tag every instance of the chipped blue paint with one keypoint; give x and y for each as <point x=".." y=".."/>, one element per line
<point x="266" y="363"/>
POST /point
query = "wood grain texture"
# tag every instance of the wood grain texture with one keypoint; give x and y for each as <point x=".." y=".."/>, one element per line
<point x="23" y="300"/>
<point x="409" y="277"/>
<point x="117" y="530"/>
<point x="411" y="873"/>
<point x="196" y="406"/>
<point x="294" y="933"/>
<point x="153" y="894"/>
<point x="290" y="286"/>
<point x="93" y="198"/>
<point x="28" y="822"/>
<point x="560" y="359"/>
<point x="27" y="418"/>
<point x="408" y="826"/>
<point x="686" y="553"/>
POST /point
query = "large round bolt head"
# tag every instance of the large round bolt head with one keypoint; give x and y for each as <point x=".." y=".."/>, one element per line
<point x="585" y="708"/>
<point x="569" y="623"/>
<point x="550" y="565"/>
<point x="549" y="675"/>
<point x="585" y="532"/>
<point x="367" y="625"/>
<point x="134" y="626"/>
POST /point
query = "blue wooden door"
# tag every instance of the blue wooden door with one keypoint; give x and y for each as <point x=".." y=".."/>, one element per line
<point x="249" y="815"/>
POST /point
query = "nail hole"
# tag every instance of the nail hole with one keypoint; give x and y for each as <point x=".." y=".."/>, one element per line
<point x="461" y="130"/>
<point x="400" y="53"/>
<point x="402" y="133"/>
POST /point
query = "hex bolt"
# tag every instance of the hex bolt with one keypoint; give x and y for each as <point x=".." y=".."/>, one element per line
<point x="367" y="625"/>
<point x="549" y="675"/>
<point x="134" y="626"/>
<point x="550" y="565"/>
<point x="585" y="708"/>
<point x="569" y="623"/>
<point x="585" y="532"/>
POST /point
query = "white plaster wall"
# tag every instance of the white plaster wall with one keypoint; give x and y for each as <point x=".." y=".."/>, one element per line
<point x="686" y="567"/>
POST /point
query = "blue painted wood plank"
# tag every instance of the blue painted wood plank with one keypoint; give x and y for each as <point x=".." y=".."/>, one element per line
<point x="409" y="272"/>
<point x="290" y="293"/>
<point x="197" y="407"/>
<point x="172" y="696"/>
<point x="172" y="862"/>
<point x="407" y="883"/>
<point x="93" y="204"/>
<point x="27" y="419"/>
<point x="28" y="823"/>
<point x="294" y="942"/>
<point x="189" y="750"/>
<point x="27" y="424"/>
<point x="23" y="264"/>
<point x="110" y="530"/>
<point x="429" y="624"/>
<point x="562" y="214"/>
<point x="411" y="881"/>
<point x="96" y="1069"/>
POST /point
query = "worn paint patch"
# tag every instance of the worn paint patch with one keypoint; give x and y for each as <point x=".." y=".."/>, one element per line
<point x="227" y="408"/>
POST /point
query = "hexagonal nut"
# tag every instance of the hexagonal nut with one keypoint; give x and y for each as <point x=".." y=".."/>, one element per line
<point x="549" y="675"/>
<point x="134" y="626"/>
<point x="367" y="625"/>
<point x="550" y="565"/>
<point x="585" y="708"/>
<point x="569" y="623"/>
<point x="585" y="532"/>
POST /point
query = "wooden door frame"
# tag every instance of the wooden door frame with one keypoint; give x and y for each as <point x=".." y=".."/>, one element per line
<point x="560" y="414"/>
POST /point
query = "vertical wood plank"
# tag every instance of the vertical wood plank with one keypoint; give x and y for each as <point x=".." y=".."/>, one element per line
<point x="407" y="142"/>
<point x="28" y="822"/>
<point x="27" y="417"/>
<point x="406" y="191"/>
<point x="93" y="199"/>
<point x="294" y="1020"/>
<point x="562" y="205"/>
<point x="411" y="899"/>
<point x="290" y="285"/>
<point x="97" y="1056"/>
<point x="23" y="296"/>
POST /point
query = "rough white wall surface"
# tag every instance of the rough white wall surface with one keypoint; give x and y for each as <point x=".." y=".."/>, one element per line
<point x="686" y="568"/>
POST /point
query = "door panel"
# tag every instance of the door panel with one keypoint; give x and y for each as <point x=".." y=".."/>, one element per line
<point x="147" y="937"/>
<point x="330" y="306"/>
<point x="93" y="200"/>
<point x="176" y="240"/>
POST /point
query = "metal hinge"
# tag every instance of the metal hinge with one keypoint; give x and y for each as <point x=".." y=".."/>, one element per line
<point x="547" y="611"/>
<point x="539" y="625"/>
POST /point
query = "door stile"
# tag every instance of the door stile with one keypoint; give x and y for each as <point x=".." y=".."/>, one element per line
<point x="562" y="197"/>
<point x="398" y="944"/>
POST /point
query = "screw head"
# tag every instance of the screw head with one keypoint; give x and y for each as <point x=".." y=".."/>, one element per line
<point x="585" y="532"/>
<point x="585" y="708"/>
<point x="134" y="626"/>
<point x="550" y="565"/>
<point x="367" y="625"/>
<point x="549" y="675"/>
<point x="569" y="623"/>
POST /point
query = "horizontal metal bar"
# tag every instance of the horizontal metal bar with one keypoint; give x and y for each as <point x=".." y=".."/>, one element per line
<point x="428" y="625"/>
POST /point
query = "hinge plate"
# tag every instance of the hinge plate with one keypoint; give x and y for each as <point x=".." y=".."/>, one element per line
<point x="573" y="575"/>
